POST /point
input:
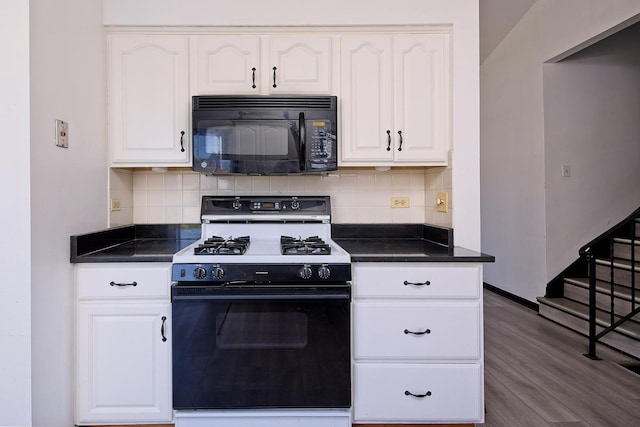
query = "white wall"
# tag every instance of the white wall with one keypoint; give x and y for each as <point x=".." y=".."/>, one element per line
<point x="15" y="290"/>
<point x="513" y="180"/>
<point x="592" y="122"/>
<point x="68" y="186"/>
<point x="463" y="14"/>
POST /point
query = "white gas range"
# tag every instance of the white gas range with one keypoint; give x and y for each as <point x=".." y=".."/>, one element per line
<point x="277" y="240"/>
<point x="261" y="316"/>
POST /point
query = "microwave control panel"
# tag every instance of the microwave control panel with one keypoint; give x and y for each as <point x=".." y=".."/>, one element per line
<point x="322" y="144"/>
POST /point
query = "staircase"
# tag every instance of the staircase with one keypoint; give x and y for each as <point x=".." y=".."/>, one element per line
<point x="614" y="262"/>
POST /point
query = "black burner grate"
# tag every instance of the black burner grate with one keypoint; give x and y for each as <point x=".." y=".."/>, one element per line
<point x="216" y="245"/>
<point x="313" y="245"/>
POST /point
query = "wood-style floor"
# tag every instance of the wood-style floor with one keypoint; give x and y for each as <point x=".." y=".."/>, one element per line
<point x="536" y="374"/>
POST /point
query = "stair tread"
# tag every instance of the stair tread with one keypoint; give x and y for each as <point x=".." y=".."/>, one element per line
<point x="619" y="263"/>
<point x="619" y="291"/>
<point x="630" y="328"/>
<point x="626" y="240"/>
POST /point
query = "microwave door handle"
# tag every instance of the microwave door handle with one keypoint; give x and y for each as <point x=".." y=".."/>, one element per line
<point x="303" y="141"/>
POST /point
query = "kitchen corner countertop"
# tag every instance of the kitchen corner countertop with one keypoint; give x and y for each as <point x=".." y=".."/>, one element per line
<point x="364" y="242"/>
<point x="133" y="243"/>
<point x="402" y="243"/>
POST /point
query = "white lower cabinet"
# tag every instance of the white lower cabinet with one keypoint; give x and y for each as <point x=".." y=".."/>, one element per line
<point x="417" y="343"/>
<point x="123" y="366"/>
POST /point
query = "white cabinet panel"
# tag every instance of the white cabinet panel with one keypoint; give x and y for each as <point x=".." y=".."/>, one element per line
<point x="367" y="99"/>
<point x="122" y="363"/>
<point x="303" y="64"/>
<point x="244" y="64"/>
<point x="417" y="330"/>
<point x="149" y="106"/>
<point x="396" y="100"/>
<point x="445" y="392"/>
<point x="123" y="280"/>
<point x="387" y="280"/>
<point x="225" y="64"/>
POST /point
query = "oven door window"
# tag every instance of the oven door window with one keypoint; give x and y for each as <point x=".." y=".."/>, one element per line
<point x="261" y="353"/>
<point x="247" y="146"/>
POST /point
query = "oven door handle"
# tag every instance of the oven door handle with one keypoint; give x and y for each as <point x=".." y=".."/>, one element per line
<point x="263" y="297"/>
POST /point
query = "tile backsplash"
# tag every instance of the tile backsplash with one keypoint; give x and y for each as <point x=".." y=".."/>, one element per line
<point x="357" y="195"/>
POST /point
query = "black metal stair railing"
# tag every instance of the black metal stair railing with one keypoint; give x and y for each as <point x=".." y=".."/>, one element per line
<point x="601" y="250"/>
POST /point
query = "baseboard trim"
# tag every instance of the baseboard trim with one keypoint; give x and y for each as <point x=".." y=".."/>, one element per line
<point x="515" y="298"/>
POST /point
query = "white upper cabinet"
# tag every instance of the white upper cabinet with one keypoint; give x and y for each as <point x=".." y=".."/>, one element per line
<point x="262" y="65"/>
<point x="225" y="64"/>
<point x="149" y="105"/>
<point x="395" y="100"/>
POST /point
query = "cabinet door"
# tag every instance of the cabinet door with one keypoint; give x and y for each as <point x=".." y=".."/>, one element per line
<point x="299" y="64"/>
<point x="225" y="65"/>
<point x="421" y="109"/>
<point x="123" y="367"/>
<point x="149" y="104"/>
<point x="367" y="99"/>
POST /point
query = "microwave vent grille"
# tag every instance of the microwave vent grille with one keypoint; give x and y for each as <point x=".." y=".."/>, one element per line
<point x="262" y="102"/>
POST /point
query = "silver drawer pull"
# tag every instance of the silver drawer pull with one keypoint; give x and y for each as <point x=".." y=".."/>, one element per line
<point x="408" y="393"/>
<point x="427" y="332"/>
<point x="123" y="284"/>
<point x="426" y="283"/>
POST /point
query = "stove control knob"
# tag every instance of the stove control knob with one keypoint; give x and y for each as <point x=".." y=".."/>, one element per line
<point x="295" y="205"/>
<point x="305" y="272"/>
<point x="217" y="273"/>
<point x="236" y="204"/>
<point x="324" y="272"/>
<point x="199" y="273"/>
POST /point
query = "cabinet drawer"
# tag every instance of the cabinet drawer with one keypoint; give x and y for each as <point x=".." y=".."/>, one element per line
<point x="453" y="393"/>
<point x="408" y="280"/>
<point x="437" y="330"/>
<point x="116" y="280"/>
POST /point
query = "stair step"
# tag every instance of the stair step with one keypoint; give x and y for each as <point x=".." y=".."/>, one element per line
<point x="621" y="271"/>
<point x="577" y="289"/>
<point x="622" y="248"/>
<point x="575" y="316"/>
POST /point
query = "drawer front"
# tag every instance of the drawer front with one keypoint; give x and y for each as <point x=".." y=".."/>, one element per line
<point x="408" y="280"/>
<point x="438" y="330"/>
<point x="441" y="393"/>
<point x="123" y="280"/>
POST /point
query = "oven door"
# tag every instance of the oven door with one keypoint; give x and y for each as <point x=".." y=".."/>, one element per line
<point x="252" y="347"/>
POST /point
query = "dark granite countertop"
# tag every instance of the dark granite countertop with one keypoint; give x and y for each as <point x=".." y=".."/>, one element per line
<point x="364" y="242"/>
<point x="402" y="243"/>
<point x="133" y="243"/>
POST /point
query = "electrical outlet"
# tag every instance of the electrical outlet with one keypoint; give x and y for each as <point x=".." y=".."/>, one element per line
<point x="442" y="202"/>
<point x="115" y="205"/>
<point x="399" y="202"/>
<point x="62" y="133"/>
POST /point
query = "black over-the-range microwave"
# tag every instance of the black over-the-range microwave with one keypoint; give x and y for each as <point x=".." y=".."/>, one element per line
<point x="265" y="134"/>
